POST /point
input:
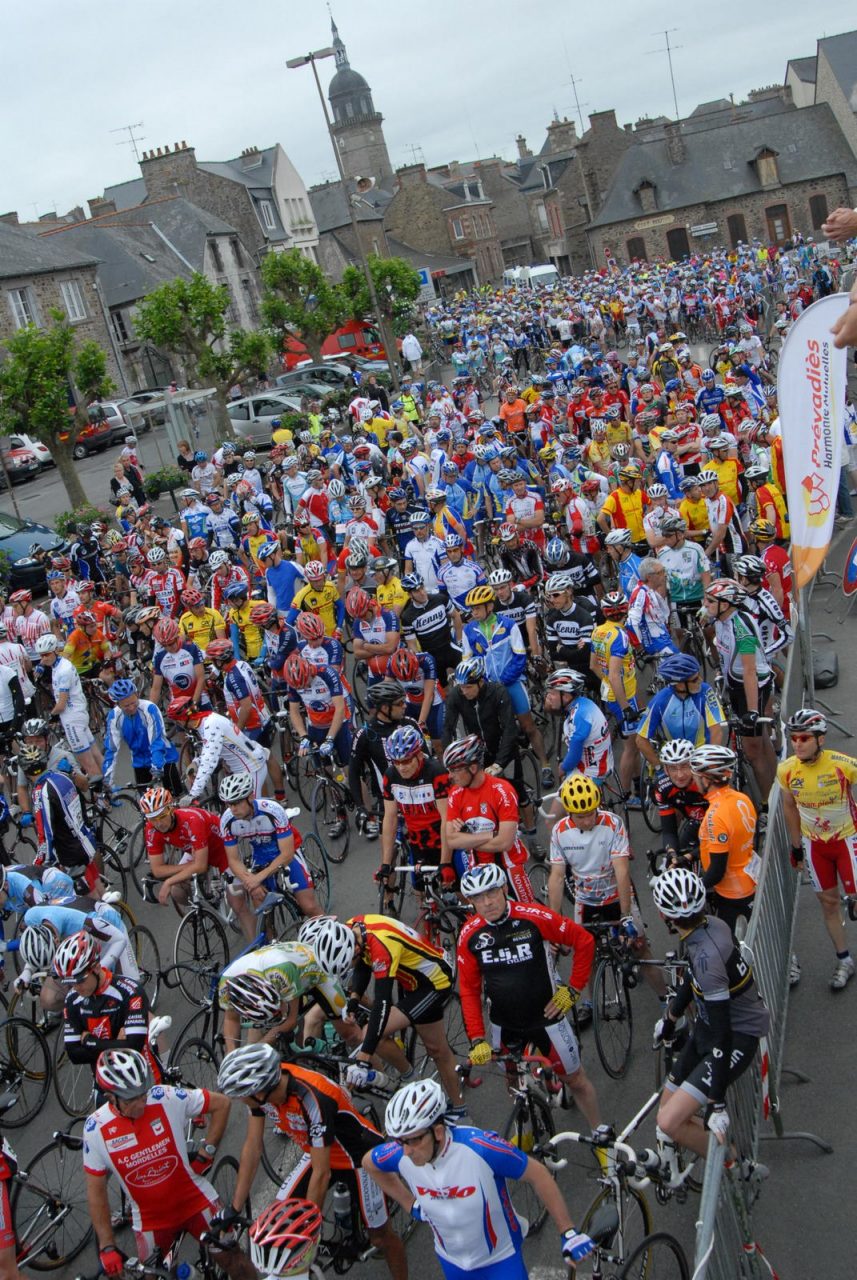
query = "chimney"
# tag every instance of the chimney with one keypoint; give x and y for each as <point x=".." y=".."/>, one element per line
<point x="168" y="173"/>
<point x="675" y="142"/>
<point x="411" y="175"/>
<point x="603" y="121"/>
<point x="562" y="135"/>
<point x="250" y="156"/>
<point x="98" y="206"/>
<point x="48" y="217"/>
<point x="524" y="152"/>
<point x="629" y="128"/>
<point x="11" y="219"/>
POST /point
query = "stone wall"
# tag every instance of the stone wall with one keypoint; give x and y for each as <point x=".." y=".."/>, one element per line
<point x="363" y="150"/>
<point x="828" y="89"/>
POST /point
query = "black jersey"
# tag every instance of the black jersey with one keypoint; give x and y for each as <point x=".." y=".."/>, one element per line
<point x="118" y="1004"/>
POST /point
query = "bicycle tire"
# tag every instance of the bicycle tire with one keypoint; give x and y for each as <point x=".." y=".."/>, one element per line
<point x="203" y="1024"/>
<point x="657" y="1257"/>
<point x="391" y="895"/>
<point x="54" y="1174"/>
<point x="315" y="856"/>
<point x="26" y="1069"/>
<point x="360" y="686"/>
<point x="223" y="1178"/>
<point x="330" y="818"/>
<point x="198" y="1061"/>
<point x="201" y="946"/>
<point x="648" y="802"/>
<point x="17" y="846"/>
<point x="285" y="920"/>
<point x="532" y="774"/>
<point x="279" y="1153"/>
<point x="138" y="863"/>
<point x="528" y="1128"/>
<point x="113" y="875"/>
<point x="73" y="1082"/>
<point x="539" y="875"/>
<point x="634" y="1223"/>
<point x="612" y="1020"/>
<point x="148" y="956"/>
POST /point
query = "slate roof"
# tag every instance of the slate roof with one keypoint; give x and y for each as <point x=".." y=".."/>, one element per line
<point x="331" y="211"/>
<point x="804" y="69"/>
<point x="717" y="104"/>
<point x="841" y="54"/>
<point x="809" y="144"/>
<point x="450" y="263"/>
<point x="132" y="260"/>
<point x="25" y="254"/>
<point x="126" y="195"/>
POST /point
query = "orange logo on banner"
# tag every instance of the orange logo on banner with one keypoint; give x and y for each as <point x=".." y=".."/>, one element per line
<point x="815" y="499"/>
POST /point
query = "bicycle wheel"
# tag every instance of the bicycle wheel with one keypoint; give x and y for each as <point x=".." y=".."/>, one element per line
<point x="50" y="1209"/>
<point x="315" y="856"/>
<point x="657" y="1257"/>
<point x="456" y="1035"/>
<point x="25" y="1069"/>
<point x="16" y="845"/>
<point x="279" y="1154"/>
<point x="223" y="1178"/>
<point x="148" y="959"/>
<point x="113" y="874"/>
<point x="285" y="920"/>
<point x="635" y="1218"/>
<point x="532" y="774"/>
<point x="528" y="1128"/>
<point x="197" y="1062"/>
<point x="611" y="1017"/>
<point x="138" y="863"/>
<point x="359" y="686"/>
<point x="202" y="950"/>
<point x="330" y="818"/>
<point x="648" y="790"/>
<point x="539" y="875"/>
<point x="73" y="1082"/>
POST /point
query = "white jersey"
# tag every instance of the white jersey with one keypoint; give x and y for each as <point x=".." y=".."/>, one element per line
<point x="589" y="856"/>
<point x="223" y="743"/>
<point x="13" y="655"/>
<point x="64" y="679"/>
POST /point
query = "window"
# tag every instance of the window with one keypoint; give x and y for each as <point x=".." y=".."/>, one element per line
<point x="779" y="225"/>
<point x="239" y="412"/>
<point x="235" y="245"/>
<point x="678" y="244"/>
<point x="817" y="211"/>
<point x="737" y="228"/>
<point x="636" y="247"/>
<point x="346" y="340"/>
<point x="349" y="108"/>
<point x="120" y="328"/>
<point x="23" y="307"/>
<point x="542" y="215"/>
<point x="249" y="297"/>
<point x="267" y="214"/>
<point x="216" y="259"/>
<point x="72" y="300"/>
<point x="457" y="229"/>
<point x="556" y="225"/>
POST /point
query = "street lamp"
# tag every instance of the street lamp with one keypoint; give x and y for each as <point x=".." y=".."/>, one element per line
<point x="389" y="342"/>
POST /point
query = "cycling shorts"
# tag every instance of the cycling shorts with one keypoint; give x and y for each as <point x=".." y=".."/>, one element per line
<point x="425" y="1004"/>
<point x="740" y="706"/>
<point x="693" y="1071"/>
<point x="828" y="860"/>
<point x="520" y="698"/>
<point x="163" y="1238"/>
<point x="264" y="735"/>
<point x="510" y="1268"/>
<point x="77" y="733"/>
<point x="364" y="1191"/>
<point x="7" y="1225"/>
<point x="297" y="875"/>
<point x="556" y="1042"/>
<point x="613" y="709"/>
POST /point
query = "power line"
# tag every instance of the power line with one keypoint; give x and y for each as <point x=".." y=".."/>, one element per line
<point x="669" y="52"/>
<point x="132" y="139"/>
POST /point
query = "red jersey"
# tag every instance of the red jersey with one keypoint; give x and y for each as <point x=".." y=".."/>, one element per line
<point x="103" y="611"/>
<point x="167" y="588"/>
<point x="483" y="809"/>
<point x="237" y="573"/>
<point x="315" y="502"/>
<point x="776" y="560"/>
<point x="192" y="829"/>
<point x="416" y="800"/>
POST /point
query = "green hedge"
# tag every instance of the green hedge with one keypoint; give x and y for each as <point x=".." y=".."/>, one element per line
<point x="164" y="481"/>
<point x="85" y="514"/>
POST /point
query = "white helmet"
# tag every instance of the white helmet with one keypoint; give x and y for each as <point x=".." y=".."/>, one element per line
<point x="310" y="929"/>
<point x="254" y="1068"/>
<point x="413" y="1108"/>
<point x="235" y="786"/>
<point x="49" y="643"/>
<point x="38" y="947"/>
<point x="676" y="751"/>
<point x="334" y="947"/>
<point x="679" y="892"/>
<point x="482" y="878"/>
<point x="713" y="761"/>
<point x="499" y="578"/>
<point x="618" y="538"/>
<point x="559" y="582"/>
<point x="123" y="1072"/>
<point x="157" y="555"/>
<point x="217" y="559"/>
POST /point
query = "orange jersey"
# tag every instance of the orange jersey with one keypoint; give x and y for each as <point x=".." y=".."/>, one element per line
<point x="728" y="826"/>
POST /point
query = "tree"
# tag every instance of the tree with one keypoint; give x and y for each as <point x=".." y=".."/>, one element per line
<point x="397" y="285"/>
<point x="299" y="301"/>
<point x="188" y="319"/>
<point x="38" y="378"/>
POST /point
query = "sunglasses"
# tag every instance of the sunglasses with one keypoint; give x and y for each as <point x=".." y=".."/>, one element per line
<point x="802" y="737"/>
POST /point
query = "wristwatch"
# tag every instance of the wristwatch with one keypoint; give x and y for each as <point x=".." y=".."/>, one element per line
<point x="208" y="1149"/>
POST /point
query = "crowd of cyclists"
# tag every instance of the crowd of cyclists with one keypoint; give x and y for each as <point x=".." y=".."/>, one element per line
<point x="505" y="635"/>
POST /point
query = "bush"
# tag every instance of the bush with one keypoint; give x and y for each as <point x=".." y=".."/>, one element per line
<point x="5" y="568"/>
<point x="164" y="481"/>
<point x="84" y="514"/>
<point x="293" y="422"/>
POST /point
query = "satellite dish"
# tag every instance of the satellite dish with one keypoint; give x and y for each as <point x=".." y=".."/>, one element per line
<point x="364" y="184"/>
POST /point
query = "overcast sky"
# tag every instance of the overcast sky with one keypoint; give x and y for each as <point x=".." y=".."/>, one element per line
<point x="456" y="78"/>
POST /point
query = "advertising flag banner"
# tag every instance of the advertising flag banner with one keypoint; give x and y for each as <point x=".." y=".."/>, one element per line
<point x="811" y="394"/>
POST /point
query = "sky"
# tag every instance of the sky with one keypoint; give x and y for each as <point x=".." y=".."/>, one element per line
<point x="455" y="79"/>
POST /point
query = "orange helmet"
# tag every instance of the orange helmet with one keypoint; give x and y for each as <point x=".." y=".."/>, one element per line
<point x="167" y="631"/>
<point x="403" y="665"/>
<point x="155" y="801"/>
<point x="310" y="627"/>
<point x="297" y="671"/>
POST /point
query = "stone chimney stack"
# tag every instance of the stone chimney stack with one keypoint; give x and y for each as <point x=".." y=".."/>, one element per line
<point x="562" y="135"/>
<point x="250" y="156"/>
<point x="166" y="172"/>
<point x="524" y="152"/>
<point x="675" y="142"/>
<point x="11" y="219"/>
<point x="411" y="175"/>
<point x="98" y="206"/>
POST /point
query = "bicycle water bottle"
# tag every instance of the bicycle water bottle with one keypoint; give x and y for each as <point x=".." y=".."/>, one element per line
<point x="378" y="1079"/>
<point x="341" y="1200"/>
<point x="187" y="1271"/>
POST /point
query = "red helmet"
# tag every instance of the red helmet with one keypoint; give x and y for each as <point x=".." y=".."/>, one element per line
<point x="310" y="627"/>
<point x="182" y="708"/>
<point x="284" y="1238"/>
<point x="85" y="585"/>
<point x="262" y="614"/>
<point x="21" y="597"/>
<point x="191" y="597"/>
<point x="84" y="618"/>
<point x="614" y="605"/>
<point x="297" y="671"/>
<point x="220" y="652"/>
<point x="167" y="631"/>
<point x="403" y="665"/>
<point x="197" y="544"/>
<point x="315" y="569"/>
<point x="76" y="956"/>
<point x="357" y="602"/>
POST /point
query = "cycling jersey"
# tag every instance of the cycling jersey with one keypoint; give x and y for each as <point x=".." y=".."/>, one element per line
<point x="611" y="640"/>
<point x="457" y="579"/>
<point x="520" y="606"/>
<point x="391" y="595"/>
<point x="513" y="961"/>
<point x="224" y="529"/>
<point x="117" y="1005"/>
<point x="728" y="471"/>
<point x="65" y="679"/>
<point x="292" y="970"/>
<point x="462" y="1195"/>
<point x="325" y="604"/>
<point x="149" y="1156"/>
<point x="166" y="588"/>
<point x="626" y="512"/>
<point x="368" y="749"/>
<point x="262" y="830"/>
<point x="735" y="637"/>
<point x="416" y="801"/>
<point x="223" y="744"/>
<point x="648" y="619"/>
<point x="59" y="821"/>
<point x="685" y="566"/>
<point x="727" y="830"/>
<point x="236" y="573"/>
<point x="145" y="736"/>
<point x="247" y="639"/>
<point x="823" y="793"/>
<point x="318" y="1113"/>
<point x="498" y="641"/>
<point x="589" y="857"/>
<point x="721" y="511"/>
<point x="177" y="669"/>
<point x="628" y="569"/>
<point x="394" y="953"/>
<point x="375" y="627"/>
<point x="526" y="508"/>
<point x="63" y="607"/>
<point x="27" y="629"/>
<point x="430" y="625"/>
<point x="523" y="562"/>
<point x="192" y="829"/>
<point x="775" y="631"/>
<point x="239" y="683"/>
<point x="668" y="716"/>
<point x="586" y="737"/>
<point x="483" y="808"/>
<point x="426" y="556"/>
<point x="317" y="697"/>
<point x="86" y="652"/>
<point x="199" y="629"/>
<point x="105" y="923"/>
<point x="674" y="802"/>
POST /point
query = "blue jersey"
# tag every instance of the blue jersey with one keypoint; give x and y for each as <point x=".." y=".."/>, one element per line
<point x="668" y="716"/>
<point x="282" y="581"/>
<point x="145" y="736"/>
<point x="709" y="400"/>
<point x="629" y="574"/>
<point x="503" y="649"/>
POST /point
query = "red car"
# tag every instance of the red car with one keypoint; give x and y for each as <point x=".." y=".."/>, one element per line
<point x="92" y="438"/>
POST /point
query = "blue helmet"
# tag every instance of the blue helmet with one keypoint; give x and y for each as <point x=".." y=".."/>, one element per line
<point x="53" y="575"/>
<point x="672" y="384"/>
<point x="679" y="666"/>
<point x="200" y="456"/>
<point x="412" y="582"/>
<point x="404" y="743"/>
<point x="469" y="671"/>
<point x="236" y="589"/>
<point x="708" y="375"/>
<point x="453" y="542"/>
<point x="420" y="518"/>
<point x="121" y="689"/>
<point x="556" y="553"/>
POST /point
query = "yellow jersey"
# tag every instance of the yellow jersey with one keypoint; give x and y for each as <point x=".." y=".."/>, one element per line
<point x="822" y="792"/>
<point x="323" y="603"/>
<point x="392" y="595"/>
<point x="727" y="475"/>
<point x="250" y="636"/>
<point x="695" y="514"/>
<point x="394" y="950"/>
<point x="202" y="628"/>
<point x="626" y="512"/>
<point x="610" y="640"/>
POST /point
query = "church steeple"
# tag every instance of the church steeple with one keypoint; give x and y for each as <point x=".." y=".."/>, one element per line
<point x="339" y="47"/>
<point x="357" y="126"/>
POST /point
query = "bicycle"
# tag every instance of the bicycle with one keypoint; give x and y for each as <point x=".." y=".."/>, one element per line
<point x="612" y="1018"/>
<point x="330" y="803"/>
<point x="25" y="1069"/>
<point x="529" y="1126"/>
<point x="49" y="1205"/>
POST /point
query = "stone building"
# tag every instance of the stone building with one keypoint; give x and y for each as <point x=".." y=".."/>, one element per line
<point x="443" y="216"/>
<point x="759" y="171"/>
<point x="498" y="180"/>
<point x="357" y="126"/>
<point x="38" y="276"/>
<point x="831" y="77"/>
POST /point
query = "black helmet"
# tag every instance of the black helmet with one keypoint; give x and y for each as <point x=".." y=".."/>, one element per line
<point x="32" y="761"/>
<point x="384" y="693"/>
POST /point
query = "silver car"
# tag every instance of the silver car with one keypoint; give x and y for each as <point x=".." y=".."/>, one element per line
<point x="251" y="416"/>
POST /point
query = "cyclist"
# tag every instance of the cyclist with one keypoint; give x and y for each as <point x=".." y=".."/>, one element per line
<point x="59" y="817"/>
<point x="427" y="625"/>
<point x="777" y="634"/>
<point x="585" y="731"/>
<point x="179" y="664"/>
<point x="649" y="610"/>
<point x="687" y="707"/>
<point x="194" y="833"/>
<point x="506" y="956"/>
<point x="518" y="604"/>
<point x="323" y="1122"/>
<point x="368" y="762"/>
<point x="620" y="549"/>
<point x="138" y="1136"/>
<point x="726" y="836"/>
<point x="375" y="631"/>
<point x="688" y="570"/>
<point x="568" y="623"/>
<point x="427" y="1162"/>
<point x="818" y="788"/>
<point x="424" y="552"/>
<point x="222" y="745"/>
<point x="778" y="567"/>
<point x="623" y="508"/>
<point x="458" y="573"/>
<point x="245" y="703"/>
<point x="70" y="704"/>
<point x="415" y="788"/>
<point x="730" y="1015"/>
<point x="199" y="625"/>
<point x="265" y="827"/>
<point x="101" y="1010"/>
<point x="45" y="927"/>
<point x="679" y="799"/>
<point x="139" y="724"/>
<point x="417" y="674"/>
<point x="319" y="595"/>
<point x="318" y="708"/>
<point x="612" y="661"/>
<point x="87" y="647"/>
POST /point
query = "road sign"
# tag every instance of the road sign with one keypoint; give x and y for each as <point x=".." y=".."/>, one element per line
<point x="424" y="275"/>
<point x="849" y="574"/>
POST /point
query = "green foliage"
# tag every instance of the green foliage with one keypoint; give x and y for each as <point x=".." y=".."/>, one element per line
<point x="293" y="422"/>
<point x="5" y="568"/>
<point x="86" y="513"/>
<point x="165" y="480"/>
<point x="397" y="285"/>
<point x="299" y="299"/>
<point x="188" y="319"/>
<point x="91" y="372"/>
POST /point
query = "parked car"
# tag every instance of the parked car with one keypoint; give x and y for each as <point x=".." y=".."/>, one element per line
<point x="92" y="438"/>
<point x="333" y="375"/>
<point x="16" y="538"/>
<point x="120" y="421"/>
<point x="19" y="462"/>
<point x="41" y="451"/>
<point x="310" y="389"/>
<point x="133" y="405"/>
<point x="251" y="416"/>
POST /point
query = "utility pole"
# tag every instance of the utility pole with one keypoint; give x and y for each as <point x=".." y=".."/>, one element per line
<point x="670" y="49"/>
<point x="132" y="139"/>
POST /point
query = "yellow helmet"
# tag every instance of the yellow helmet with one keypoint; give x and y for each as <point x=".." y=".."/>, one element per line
<point x="479" y="595"/>
<point x="548" y="453"/>
<point x="580" y="794"/>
